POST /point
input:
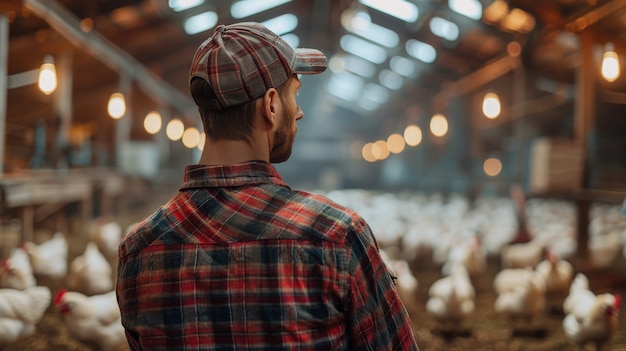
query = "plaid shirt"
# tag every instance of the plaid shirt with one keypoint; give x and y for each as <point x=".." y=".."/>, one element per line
<point x="239" y="261"/>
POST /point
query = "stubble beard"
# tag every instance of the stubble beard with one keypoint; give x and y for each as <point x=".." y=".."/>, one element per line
<point x="283" y="142"/>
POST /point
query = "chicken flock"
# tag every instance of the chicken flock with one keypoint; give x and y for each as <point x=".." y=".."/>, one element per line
<point x="535" y="276"/>
<point x="86" y="301"/>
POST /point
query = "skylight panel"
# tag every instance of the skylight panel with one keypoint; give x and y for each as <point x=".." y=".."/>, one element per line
<point x="400" y="9"/>
<point x="421" y="51"/>
<point x="200" y="23"/>
<point x="182" y="5"/>
<point x="376" y="93"/>
<point x="363" y="48"/>
<point x="390" y="79"/>
<point x="247" y="8"/>
<point x="469" y="8"/>
<point x="444" y="29"/>
<point x="345" y="86"/>
<point x="282" y="24"/>
<point x="352" y="64"/>
<point x="362" y="26"/>
<point x="402" y="66"/>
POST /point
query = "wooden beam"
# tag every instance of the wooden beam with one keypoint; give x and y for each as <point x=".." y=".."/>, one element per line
<point x="68" y="25"/>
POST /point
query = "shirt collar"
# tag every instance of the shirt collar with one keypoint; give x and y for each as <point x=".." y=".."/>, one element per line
<point x="240" y="174"/>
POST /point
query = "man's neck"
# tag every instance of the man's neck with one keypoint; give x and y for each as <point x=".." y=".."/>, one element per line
<point x="225" y="152"/>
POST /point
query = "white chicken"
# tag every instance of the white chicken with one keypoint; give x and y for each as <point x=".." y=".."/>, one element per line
<point x="20" y="311"/>
<point x="451" y="298"/>
<point x="521" y="294"/>
<point x="49" y="258"/>
<point x="578" y="290"/>
<point x="470" y="254"/>
<point x="522" y="255"/>
<point x="90" y="273"/>
<point x="94" y="320"/>
<point x="557" y="274"/>
<point x="17" y="273"/>
<point x="593" y="320"/>
<point x="604" y="249"/>
<point x="407" y="282"/>
<point x="107" y="236"/>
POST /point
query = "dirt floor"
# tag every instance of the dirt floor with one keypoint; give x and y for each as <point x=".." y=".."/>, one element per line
<point x="483" y="330"/>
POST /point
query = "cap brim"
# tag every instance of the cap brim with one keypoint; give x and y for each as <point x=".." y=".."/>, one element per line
<point x="309" y="61"/>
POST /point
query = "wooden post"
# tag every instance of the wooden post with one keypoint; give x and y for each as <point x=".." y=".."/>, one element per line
<point x="4" y="61"/>
<point x="584" y="116"/>
<point x="63" y="108"/>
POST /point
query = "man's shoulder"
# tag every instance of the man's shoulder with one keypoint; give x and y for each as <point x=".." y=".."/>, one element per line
<point x="329" y="213"/>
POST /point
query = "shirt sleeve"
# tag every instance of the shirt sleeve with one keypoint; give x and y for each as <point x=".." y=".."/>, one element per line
<point x="376" y="317"/>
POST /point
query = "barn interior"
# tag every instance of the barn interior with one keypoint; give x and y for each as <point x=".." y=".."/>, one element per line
<point x="424" y="101"/>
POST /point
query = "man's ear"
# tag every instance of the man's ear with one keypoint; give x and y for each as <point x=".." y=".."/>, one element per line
<point x="270" y="107"/>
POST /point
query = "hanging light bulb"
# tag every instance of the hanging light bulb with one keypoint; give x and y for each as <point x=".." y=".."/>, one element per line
<point x="175" y="129"/>
<point x="153" y="122"/>
<point x="396" y="143"/>
<point x="191" y="137"/>
<point x="491" y="105"/>
<point x="413" y="135"/>
<point x="610" y="64"/>
<point x="116" y="106"/>
<point x="439" y="125"/>
<point x="492" y="166"/>
<point x="47" y="76"/>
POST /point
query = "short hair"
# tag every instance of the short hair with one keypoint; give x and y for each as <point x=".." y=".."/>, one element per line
<point x="232" y="123"/>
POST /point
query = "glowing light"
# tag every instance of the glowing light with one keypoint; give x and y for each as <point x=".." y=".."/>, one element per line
<point x="439" y="125"/>
<point x="367" y="154"/>
<point x="182" y="5"/>
<point x="175" y="129"/>
<point x="153" y="122"/>
<point x="352" y="64"/>
<point x="391" y="79"/>
<point x="282" y="24"/>
<point x="444" y="29"/>
<point x="421" y="51"/>
<point x="492" y="167"/>
<point x="470" y="8"/>
<point x="496" y="11"/>
<point x="395" y="143"/>
<point x="116" y="106"/>
<point x="610" y="65"/>
<point x="363" y="48"/>
<point x="380" y="150"/>
<point x="402" y="65"/>
<point x="47" y="81"/>
<point x="491" y="105"/>
<point x="359" y="23"/>
<point x="246" y="8"/>
<point x="191" y="137"/>
<point x="400" y="9"/>
<point x="200" y="22"/>
<point x="413" y="135"/>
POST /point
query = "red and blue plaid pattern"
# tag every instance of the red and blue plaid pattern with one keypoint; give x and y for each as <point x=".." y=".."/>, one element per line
<point x="239" y="261"/>
<point x="242" y="61"/>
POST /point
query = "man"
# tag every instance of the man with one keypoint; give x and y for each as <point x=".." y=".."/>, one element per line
<point x="237" y="260"/>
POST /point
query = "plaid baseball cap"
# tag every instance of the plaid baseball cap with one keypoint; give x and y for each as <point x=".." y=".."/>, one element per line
<point x="242" y="61"/>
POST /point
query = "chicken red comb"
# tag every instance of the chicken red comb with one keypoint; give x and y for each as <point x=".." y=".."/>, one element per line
<point x="59" y="296"/>
<point x="618" y="302"/>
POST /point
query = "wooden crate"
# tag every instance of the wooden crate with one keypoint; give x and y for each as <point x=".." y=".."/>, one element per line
<point x="556" y="165"/>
